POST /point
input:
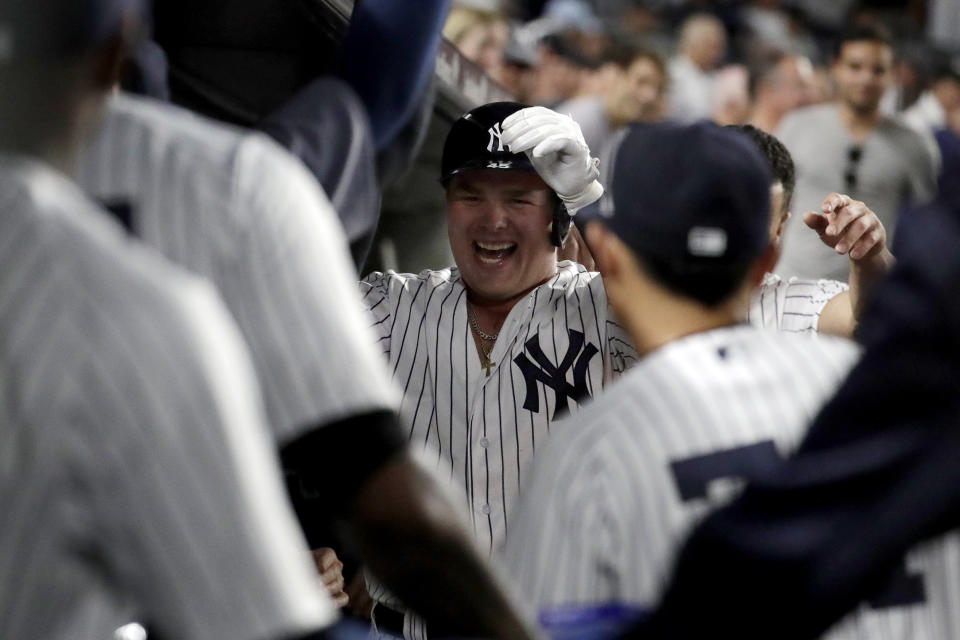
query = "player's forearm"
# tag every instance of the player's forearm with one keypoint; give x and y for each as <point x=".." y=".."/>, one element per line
<point x="408" y="533"/>
<point x="388" y="56"/>
<point x="864" y="276"/>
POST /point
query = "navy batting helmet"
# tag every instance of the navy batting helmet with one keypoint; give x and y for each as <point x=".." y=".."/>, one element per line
<point x="474" y="144"/>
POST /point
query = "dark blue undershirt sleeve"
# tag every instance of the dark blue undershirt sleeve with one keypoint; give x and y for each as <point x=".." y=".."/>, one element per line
<point x="388" y="57"/>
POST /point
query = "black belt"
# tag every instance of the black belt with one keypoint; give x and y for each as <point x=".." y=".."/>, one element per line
<point x="389" y="620"/>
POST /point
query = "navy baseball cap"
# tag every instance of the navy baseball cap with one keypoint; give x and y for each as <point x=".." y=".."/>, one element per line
<point x="59" y="29"/>
<point x="474" y="142"/>
<point x="690" y="193"/>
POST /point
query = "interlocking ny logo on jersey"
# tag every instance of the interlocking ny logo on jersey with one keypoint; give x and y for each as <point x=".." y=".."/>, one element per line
<point x="578" y="357"/>
<point x="496" y="139"/>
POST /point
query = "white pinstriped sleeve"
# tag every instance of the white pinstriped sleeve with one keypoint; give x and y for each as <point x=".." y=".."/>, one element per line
<point x="305" y="324"/>
<point x="190" y="500"/>
<point x="792" y="305"/>
<point x="620" y="350"/>
<point x="375" y="289"/>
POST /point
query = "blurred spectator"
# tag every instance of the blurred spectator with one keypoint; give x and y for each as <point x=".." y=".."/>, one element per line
<point x="778" y="85"/>
<point x="824" y="88"/>
<point x="703" y="45"/>
<point x="848" y="146"/>
<point x="931" y="108"/>
<point x="635" y="93"/>
<point x="731" y="97"/>
<point x="560" y="69"/>
<point x="774" y="28"/>
<point x="826" y="14"/>
<point x="911" y="77"/>
<point x="578" y="19"/>
<point x="943" y="24"/>
<point x="519" y="68"/>
<point x="480" y="34"/>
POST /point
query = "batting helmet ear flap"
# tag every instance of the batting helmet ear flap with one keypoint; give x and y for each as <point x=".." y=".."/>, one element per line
<point x="560" y="228"/>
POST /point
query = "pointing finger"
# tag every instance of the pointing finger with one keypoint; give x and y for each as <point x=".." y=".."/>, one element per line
<point x="816" y="221"/>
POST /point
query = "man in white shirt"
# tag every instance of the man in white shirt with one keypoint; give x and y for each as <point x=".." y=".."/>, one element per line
<point x="703" y="44"/>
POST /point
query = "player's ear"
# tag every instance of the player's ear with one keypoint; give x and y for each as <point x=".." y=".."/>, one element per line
<point x="616" y="262"/>
<point x="780" y="227"/>
<point x="600" y="240"/>
<point x="765" y="263"/>
<point x="109" y="65"/>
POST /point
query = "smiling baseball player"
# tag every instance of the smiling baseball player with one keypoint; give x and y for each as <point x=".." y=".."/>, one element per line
<point x="489" y="352"/>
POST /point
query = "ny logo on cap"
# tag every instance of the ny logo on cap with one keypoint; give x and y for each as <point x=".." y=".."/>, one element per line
<point x="496" y="139"/>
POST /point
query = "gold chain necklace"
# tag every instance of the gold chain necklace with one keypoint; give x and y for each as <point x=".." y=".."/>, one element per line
<point x="487" y="362"/>
<point x="476" y="326"/>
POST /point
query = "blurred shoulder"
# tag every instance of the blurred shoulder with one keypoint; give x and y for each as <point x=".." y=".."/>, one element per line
<point x="799" y="120"/>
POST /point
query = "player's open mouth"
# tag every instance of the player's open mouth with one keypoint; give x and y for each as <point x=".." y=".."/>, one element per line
<point x="494" y="252"/>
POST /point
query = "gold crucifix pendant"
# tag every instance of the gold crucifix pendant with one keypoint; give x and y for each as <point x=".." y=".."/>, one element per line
<point x="488" y="365"/>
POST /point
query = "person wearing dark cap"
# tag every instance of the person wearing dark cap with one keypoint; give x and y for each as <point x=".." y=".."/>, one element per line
<point x="868" y="507"/>
<point x="710" y="400"/>
<point x="489" y="352"/>
<point x="135" y="469"/>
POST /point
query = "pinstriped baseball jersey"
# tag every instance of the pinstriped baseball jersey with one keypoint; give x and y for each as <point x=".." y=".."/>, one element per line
<point x="621" y="483"/>
<point x="934" y="565"/>
<point x="556" y="349"/>
<point x="792" y="305"/>
<point x="237" y="209"/>
<point x="133" y="466"/>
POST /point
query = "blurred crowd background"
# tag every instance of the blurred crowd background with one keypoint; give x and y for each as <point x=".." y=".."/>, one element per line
<point x="609" y="62"/>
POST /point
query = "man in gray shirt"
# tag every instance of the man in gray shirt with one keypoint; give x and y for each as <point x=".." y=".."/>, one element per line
<point x="850" y="147"/>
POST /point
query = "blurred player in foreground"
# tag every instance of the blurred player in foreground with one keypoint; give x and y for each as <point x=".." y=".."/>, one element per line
<point x="710" y="399"/>
<point x="876" y="475"/>
<point x="132" y="442"/>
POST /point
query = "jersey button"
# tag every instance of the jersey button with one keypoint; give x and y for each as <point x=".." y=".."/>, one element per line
<point x="485" y="509"/>
<point x="484" y="443"/>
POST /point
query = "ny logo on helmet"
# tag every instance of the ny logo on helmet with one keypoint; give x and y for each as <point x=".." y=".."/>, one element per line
<point x="496" y="139"/>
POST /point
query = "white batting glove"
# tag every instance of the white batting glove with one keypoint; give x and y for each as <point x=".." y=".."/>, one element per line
<point x="555" y="146"/>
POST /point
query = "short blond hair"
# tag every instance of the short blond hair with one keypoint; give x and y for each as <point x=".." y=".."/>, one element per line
<point x="463" y="19"/>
